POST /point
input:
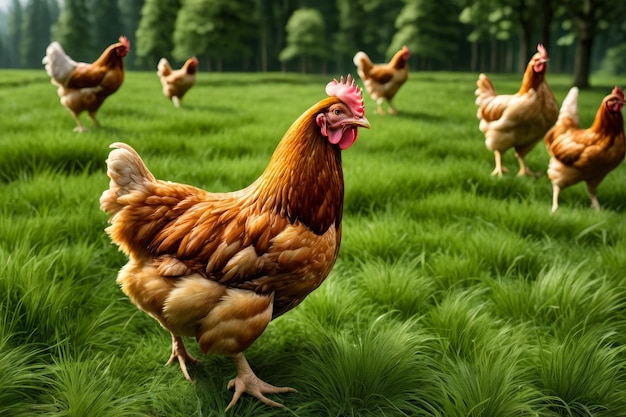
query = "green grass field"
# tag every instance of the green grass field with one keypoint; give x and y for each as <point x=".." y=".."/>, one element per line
<point x="455" y="293"/>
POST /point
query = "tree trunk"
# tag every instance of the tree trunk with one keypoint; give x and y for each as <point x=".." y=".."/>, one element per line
<point x="582" y="59"/>
<point x="524" y="43"/>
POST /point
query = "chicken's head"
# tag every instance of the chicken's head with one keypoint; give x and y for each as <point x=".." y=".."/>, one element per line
<point x="340" y="122"/>
<point x="193" y="65"/>
<point x="540" y="59"/>
<point x="615" y="100"/>
<point x="123" y="47"/>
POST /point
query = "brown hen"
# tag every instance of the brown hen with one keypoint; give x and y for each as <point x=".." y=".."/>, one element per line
<point x="82" y="86"/>
<point x="585" y="154"/>
<point x="176" y="83"/>
<point x="520" y="120"/>
<point x="382" y="81"/>
<point x="219" y="267"/>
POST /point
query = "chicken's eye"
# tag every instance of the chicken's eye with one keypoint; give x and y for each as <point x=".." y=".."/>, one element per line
<point x="337" y="112"/>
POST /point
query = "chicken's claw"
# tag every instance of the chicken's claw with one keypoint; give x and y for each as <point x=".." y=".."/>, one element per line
<point x="252" y="385"/>
<point x="179" y="352"/>
<point x="246" y="381"/>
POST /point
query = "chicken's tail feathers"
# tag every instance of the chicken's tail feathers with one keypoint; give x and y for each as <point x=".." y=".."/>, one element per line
<point x="569" y="107"/>
<point x="58" y="64"/>
<point x="129" y="176"/>
<point x="363" y="63"/>
<point x="163" y="68"/>
<point x="485" y="92"/>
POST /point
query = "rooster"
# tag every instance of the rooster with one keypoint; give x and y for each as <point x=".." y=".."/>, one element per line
<point x="83" y="87"/>
<point x="220" y="266"/>
<point x="520" y="120"/>
<point x="177" y="82"/>
<point x="585" y="154"/>
<point x="382" y="81"/>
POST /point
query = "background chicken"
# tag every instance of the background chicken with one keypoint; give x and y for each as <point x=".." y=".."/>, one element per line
<point x="219" y="267"/>
<point x="83" y="87"/>
<point x="177" y="82"/>
<point x="382" y="81"/>
<point x="585" y="154"/>
<point x="520" y="120"/>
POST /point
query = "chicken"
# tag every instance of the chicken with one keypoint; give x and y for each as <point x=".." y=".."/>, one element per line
<point x="585" y="154"/>
<point x="382" y="81"/>
<point x="520" y="120"/>
<point x="177" y="82"/>
<point x="83" y="87"/>
<point x="220" y="266"/>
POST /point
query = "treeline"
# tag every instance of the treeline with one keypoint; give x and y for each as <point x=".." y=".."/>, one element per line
<point x="322" y="36"/>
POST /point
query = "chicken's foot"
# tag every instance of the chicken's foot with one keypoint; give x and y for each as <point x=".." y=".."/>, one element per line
<point x="92" y="115"/>
<point x="499" y="169"/>
<point x="179" y="352"/>
<point x="523" y="169"/>
<point x="591" y="190"/>
<point x="246" y="381"/>
<point x="79" y="126"/>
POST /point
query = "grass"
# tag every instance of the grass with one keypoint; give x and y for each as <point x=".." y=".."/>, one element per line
<point x="455" y="293"/>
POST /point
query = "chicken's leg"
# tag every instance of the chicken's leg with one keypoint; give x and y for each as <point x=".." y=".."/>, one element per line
<point x="555" y="197"/>
<point x="523" y="169"/>
<point x="92" y="115"/>
<point x="79" y="126"/>
<point x="591" y="190"/>
<point x="499" y="169"/>
<point x="379" y="106"/>
<point x="246" y="381"/>
<point x="391" y="109"/>
<point x="180" y="353"/>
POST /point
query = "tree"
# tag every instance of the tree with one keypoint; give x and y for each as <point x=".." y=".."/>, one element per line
<point x="14" y="33"/>
<point x="35" y="33"/>
<point x="305" y="38"/>
<point x="154" y="33"/>
<point x="107" y="23"/>
<point x="589" y="17"/>
<point x="366" y="25"/>
<point x="430" y="31"/>
<point x="131" y="15"/>
<point x="215" y="29"/>
<point x="73" y="31"/>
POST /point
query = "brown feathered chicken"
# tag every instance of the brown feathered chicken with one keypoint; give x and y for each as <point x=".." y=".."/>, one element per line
<point x="520" y="120"/>
<point x="382" y="81"/>
<point x="219" y="267"/>
<point x="585" y="154"/>
<point x="177" y="82"/>
<point x="82" y="86"/>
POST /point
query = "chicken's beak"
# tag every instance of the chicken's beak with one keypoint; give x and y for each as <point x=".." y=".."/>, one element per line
<point x="359" y="122"/>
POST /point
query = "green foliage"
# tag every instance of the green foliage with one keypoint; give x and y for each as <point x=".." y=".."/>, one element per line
<point x="154" y="33"/>
<point x="455" y="293"/>
<point x="72" y="31"/>
<point x="305" y="37"/>
<point x="213" y="28"/>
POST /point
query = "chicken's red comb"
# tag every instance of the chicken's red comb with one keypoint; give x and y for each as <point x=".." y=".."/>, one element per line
<point x="124" y="41"/>
<point x="618" y="92"/>
<point x="542" y="51"/>
<point x="349" y="93"/>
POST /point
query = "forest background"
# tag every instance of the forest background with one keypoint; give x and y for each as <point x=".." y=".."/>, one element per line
<point x="315" y="36"/>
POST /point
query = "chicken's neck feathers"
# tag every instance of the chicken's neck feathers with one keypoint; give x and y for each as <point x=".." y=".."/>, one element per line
<point x="304" y="179"/>
<point x="608" y="122"/>
<point x="531" y="80"/>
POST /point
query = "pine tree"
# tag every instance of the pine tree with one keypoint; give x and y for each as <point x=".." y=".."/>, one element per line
<point x="154" y="34"/>
<point x="14" y="33"/>
<point x="73" y="31"/>
<point x="35" y="32"/>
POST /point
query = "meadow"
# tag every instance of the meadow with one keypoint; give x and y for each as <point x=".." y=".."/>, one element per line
<point x="455" y="293"/>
